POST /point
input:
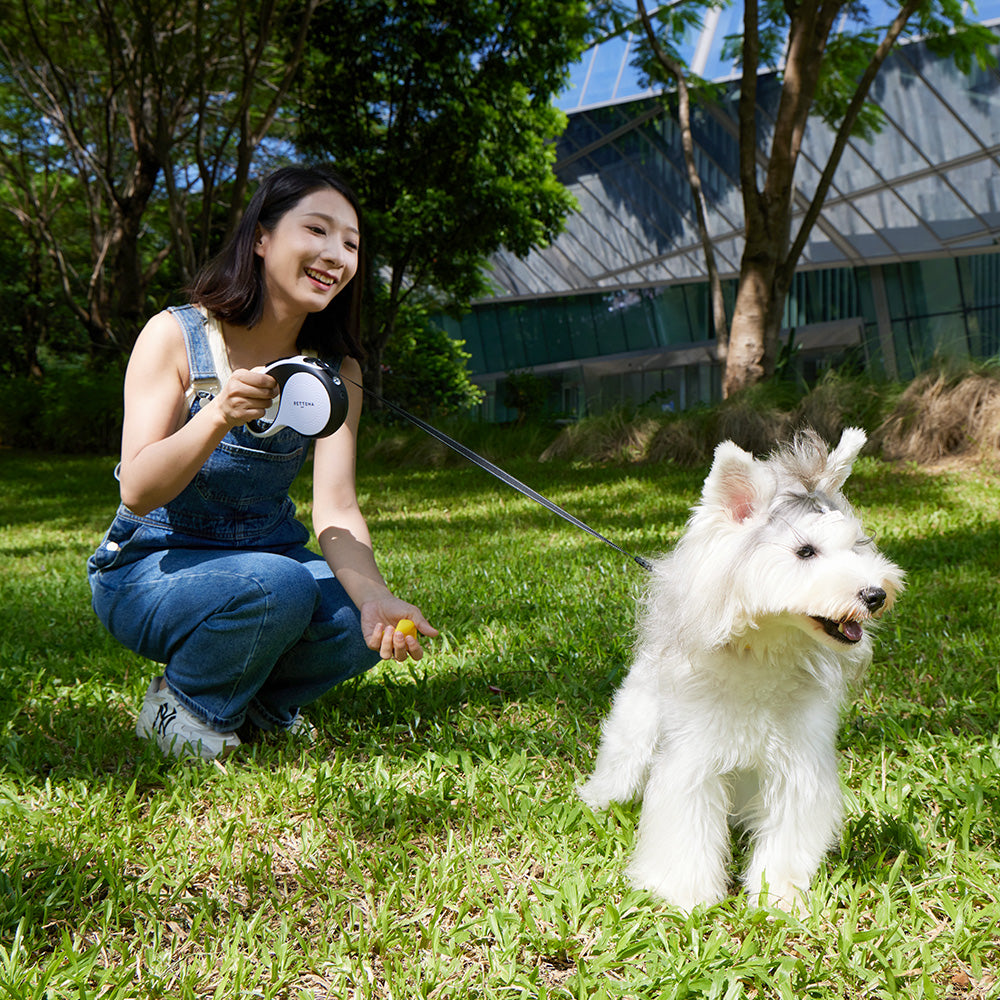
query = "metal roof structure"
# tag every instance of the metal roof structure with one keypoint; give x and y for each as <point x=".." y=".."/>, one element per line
<point x="927" y="186"/>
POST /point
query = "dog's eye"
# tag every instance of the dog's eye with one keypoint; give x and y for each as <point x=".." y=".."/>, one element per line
<point x="805" y="552"/>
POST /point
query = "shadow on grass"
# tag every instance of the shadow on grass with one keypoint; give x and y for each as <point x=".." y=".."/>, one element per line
<point x="47" y="886"/>
<point x="871" y="842"/>
<point x="62" y="489"/>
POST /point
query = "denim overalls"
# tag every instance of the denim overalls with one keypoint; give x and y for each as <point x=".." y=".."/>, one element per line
<point x="218" y="584"/>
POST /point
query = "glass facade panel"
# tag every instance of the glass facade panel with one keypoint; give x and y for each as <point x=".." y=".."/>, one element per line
<point x="984" y="332"/>
<point x="608" y="326"/>
<point x="981" y="192"/>
<point x="670" y="311"/>
<point x="510" y="348"/>
<point x="583" y="334"/>
<point x="572" y="96"/>
<point x="930" y="286"/>
<point x="639" y="332"/>
<point x="822" y="296"/>
<point x="493" y="340"/>
<point x="602" y="82"/>
<point x="976" y="124"/>
<point x="730" y="23"/>
<point x="980" y="277"/>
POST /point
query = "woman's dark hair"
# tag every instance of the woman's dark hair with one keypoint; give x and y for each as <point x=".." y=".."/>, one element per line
<point x="231" y="285"/>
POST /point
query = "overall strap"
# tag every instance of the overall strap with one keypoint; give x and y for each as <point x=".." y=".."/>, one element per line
<point x="199" y="354"/>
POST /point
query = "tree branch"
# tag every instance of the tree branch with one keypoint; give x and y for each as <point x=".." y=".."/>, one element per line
<point x="748" y="109"/>
<point x="844" y="131"/>
<point x="676" y="71"/>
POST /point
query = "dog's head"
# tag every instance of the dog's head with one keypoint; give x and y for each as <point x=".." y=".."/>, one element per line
<point x="778" y="545"/>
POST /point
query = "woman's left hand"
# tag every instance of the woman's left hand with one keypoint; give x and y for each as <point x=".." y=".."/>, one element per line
<point x="379" y="620"/>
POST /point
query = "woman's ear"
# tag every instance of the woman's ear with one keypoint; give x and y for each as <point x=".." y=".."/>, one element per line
<point x="259" y="239"/>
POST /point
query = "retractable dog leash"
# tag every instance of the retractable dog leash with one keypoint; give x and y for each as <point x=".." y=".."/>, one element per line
<point x="313" y="401"/>
<point x="311" y="398"/>
<point x="504" y="477"/>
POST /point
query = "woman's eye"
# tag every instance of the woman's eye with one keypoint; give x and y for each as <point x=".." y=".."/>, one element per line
<point x="805" y="552"/>
<point x="318" y="230"/>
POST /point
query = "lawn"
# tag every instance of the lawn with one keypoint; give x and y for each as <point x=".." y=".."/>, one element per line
<point x="431" y="844"/>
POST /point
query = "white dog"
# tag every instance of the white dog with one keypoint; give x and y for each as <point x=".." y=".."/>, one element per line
<point x="748" y="637"/>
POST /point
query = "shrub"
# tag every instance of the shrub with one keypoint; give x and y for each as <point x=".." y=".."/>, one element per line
<point x="72" y="407"/>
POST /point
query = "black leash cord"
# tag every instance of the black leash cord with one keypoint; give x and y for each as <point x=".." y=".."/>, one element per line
<point x="495" y="470"/>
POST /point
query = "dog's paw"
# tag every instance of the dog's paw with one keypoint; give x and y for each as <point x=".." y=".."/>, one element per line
<point x="594" y="794"/>
<point x="791" y="898"/>
<point x="683" y="889"/>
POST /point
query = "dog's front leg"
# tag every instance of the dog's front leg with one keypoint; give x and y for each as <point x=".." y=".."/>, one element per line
<point x="796" y="824"/>
<point x="628" y="740"/>
<point x="683" y="844"/>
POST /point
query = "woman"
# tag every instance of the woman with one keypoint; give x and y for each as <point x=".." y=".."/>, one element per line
<point x="205" y="568"/>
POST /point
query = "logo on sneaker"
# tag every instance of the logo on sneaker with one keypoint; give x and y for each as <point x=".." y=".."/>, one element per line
<point x="165" y="715"/>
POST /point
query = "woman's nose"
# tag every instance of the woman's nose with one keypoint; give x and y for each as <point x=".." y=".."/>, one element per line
<point x="334" y="252"/>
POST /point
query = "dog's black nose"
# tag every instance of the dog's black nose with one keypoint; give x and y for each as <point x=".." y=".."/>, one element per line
<point x="873" y="598"/>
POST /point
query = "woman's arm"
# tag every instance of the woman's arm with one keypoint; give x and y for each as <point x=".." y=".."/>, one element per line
<point x="161" y="452"/>
<point x="345" y="540"/>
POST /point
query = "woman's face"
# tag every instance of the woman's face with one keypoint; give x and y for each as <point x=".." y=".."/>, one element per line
<point x="311" y="254"/>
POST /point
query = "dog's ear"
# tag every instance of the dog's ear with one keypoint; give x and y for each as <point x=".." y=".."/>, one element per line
<point x="841" y="459"/>
<point x="732" y="485"/>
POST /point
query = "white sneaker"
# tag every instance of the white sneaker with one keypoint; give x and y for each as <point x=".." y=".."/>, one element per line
<point x="301" y="729"/>
<point x="178" y="732"/>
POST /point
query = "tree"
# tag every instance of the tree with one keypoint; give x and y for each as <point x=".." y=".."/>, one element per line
<point x="825" y="69"/>
<point x="440" y="115"/>
<point x="124" y="123"/>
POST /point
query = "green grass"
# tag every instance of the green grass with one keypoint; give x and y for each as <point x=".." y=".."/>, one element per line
<point x="431" y="844"/>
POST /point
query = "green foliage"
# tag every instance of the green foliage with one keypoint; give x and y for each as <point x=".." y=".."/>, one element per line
<point x="527" y="393"/>
<point x="74" y="407"/>
<point x="128" y="130"/>
<point x="440" y="115"/>
<point x="35" y="315"/>
<point x="431" y="844"/>
<point x="425" y="370"/>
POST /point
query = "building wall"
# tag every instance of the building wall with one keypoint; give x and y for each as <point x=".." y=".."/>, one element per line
<point x="653" y="347"/>
<point x="902" y="264"/>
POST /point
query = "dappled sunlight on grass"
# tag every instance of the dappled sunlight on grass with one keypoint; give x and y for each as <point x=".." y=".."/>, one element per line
<point x="431" y="843"/>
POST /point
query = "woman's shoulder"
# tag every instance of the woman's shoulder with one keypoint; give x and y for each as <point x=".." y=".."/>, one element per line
<point x="351" y="367"/>
<point x="160" y="343"/>
<point x="163" y="328"/>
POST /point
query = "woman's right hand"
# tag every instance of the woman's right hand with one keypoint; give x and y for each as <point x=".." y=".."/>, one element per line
<point x="162" y="450"/>
<point x="245" y="396"/>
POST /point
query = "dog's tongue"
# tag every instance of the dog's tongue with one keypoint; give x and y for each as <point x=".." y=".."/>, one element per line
<point x="851" y="630"/>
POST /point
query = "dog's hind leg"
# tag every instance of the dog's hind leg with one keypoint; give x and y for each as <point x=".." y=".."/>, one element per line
<point x="629" y="737"/>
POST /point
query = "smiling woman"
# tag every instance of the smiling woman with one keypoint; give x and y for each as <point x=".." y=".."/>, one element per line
<point x="309" y="255"/>
<point x="205" y="568"/>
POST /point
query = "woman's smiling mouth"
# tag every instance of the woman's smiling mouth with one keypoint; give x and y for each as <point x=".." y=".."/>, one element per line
<point x="327" y="280"/>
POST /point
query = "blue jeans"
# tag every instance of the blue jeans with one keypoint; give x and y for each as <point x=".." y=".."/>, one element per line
<point x="218" y="584"/>
<point x="245" y="635"/>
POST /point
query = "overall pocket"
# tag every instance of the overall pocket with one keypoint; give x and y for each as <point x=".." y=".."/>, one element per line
<point x="241" y="477"/>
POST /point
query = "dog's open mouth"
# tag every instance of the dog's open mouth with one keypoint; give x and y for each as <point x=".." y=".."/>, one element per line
<point x="847" y="631"/>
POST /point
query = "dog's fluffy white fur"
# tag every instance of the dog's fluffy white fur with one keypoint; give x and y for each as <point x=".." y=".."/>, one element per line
<point x="749" y="635"/>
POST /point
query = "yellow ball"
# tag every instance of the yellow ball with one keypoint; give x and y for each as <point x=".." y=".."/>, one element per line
<point x="407" y="627"/>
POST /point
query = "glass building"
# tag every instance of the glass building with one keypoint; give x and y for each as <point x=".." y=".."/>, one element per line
<point x="902" y="264"/>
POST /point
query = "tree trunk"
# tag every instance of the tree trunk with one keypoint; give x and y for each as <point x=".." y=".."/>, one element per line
<point x="765" y="271"/>
<point x="748" y="359"/>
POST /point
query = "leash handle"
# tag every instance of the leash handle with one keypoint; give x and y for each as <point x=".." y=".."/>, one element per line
<point x="495" y="470"/>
